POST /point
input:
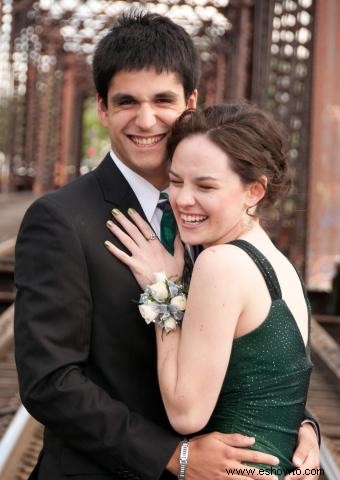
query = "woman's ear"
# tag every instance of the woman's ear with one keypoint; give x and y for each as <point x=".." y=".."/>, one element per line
<point x="257" y="190"/>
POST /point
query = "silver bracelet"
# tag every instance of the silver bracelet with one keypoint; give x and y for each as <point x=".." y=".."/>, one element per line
<point x="183" y="459"/>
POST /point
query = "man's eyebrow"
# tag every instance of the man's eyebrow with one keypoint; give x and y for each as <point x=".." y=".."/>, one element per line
<point x="167" y="94"/>
<point x="119" y="97"/>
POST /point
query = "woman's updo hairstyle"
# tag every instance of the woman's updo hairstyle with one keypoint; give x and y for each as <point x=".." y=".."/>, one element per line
<point x="250" y="138"/>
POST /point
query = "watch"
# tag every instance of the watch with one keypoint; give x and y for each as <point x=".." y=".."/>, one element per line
<point x="183" y="459"/>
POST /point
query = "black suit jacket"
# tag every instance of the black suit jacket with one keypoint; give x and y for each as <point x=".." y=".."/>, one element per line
<point x="86" y="360"/>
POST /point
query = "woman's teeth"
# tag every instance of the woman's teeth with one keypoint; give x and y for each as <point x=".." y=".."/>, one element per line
<point x="193" y="218"/>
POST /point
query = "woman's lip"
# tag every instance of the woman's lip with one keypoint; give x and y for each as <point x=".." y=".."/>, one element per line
<point x="192" y="214"/>
<point x="191" y="225"/>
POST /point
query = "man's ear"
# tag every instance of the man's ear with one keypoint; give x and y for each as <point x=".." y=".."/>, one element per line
<point x="102" y="111"/>
<point x="192" y="100"/>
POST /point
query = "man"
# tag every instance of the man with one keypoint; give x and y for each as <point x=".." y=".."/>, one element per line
<point x="86" y="361"/>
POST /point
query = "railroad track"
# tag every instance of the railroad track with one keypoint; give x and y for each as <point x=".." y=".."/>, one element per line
<point x="20" y="435"/>
<point x="324" y="392"/>
<point x="7" y="292"/>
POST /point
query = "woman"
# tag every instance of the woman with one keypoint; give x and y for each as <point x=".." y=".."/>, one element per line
<point x="241" y="361"/>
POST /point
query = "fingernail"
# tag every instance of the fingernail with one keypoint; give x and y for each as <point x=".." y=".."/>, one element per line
<point x="277" y="461"/>
<point x="131" y="211"/>
<point x="109" y="223"/>
<point x="115" y="211"/>
<point x="107" y="243"/>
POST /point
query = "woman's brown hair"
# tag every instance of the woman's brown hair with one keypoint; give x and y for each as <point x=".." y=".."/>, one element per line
<point x="251" y="139"/>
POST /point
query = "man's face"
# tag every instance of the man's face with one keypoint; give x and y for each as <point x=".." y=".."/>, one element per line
<point x="142" y="106"/>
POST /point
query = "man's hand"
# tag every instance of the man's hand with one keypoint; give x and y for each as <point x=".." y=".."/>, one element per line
<point x="306" y="457"/>
<point x="211" y="455"/>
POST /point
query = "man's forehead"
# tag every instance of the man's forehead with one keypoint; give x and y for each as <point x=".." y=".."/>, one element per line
<point x="135" y="82"/>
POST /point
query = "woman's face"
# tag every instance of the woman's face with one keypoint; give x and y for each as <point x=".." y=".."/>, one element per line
<point x="208" y="198"/>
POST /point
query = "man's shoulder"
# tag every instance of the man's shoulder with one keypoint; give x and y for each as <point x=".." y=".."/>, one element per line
<point x="72" y="192"/>
<point x="79" y="189"/>
<point x="75" y="196"/>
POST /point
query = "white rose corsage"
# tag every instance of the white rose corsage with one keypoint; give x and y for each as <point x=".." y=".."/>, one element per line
<point x="163" y="303"/>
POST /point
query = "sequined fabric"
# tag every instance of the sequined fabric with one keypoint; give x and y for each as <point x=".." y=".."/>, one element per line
<point x="264" y="391"/>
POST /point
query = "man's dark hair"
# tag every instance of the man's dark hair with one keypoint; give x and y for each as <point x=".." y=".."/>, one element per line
<point x="140" y="40"/>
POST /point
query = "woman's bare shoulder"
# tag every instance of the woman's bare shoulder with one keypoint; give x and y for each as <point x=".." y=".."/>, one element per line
<point x="222" y="256"/>
<point x="224" y="261"/>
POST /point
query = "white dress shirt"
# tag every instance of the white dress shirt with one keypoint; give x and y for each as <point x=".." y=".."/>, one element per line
<point x="146" y="193"/>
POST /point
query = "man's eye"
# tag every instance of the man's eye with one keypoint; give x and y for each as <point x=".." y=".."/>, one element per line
<point x="127" y="102"/>
<point x="164" y="100"/>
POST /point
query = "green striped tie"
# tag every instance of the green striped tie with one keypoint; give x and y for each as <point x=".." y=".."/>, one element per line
<point x="168" y="223"/>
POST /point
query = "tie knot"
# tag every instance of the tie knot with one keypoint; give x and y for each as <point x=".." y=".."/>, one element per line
<point x="163" y="202"/>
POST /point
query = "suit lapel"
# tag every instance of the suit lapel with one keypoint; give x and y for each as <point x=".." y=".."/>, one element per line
<point x="116" y="190"/>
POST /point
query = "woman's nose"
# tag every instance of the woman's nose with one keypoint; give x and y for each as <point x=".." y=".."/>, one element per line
<point x="185" y="197"/>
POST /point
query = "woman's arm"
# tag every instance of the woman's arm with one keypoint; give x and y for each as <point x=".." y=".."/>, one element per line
<point x="192" y="361"/>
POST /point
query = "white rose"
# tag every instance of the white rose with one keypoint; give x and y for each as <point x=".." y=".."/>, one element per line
<point x="160" y="277"/>
<point x="159" y="291"/>
<point x="170" y="324"/>
<point x="179" y="302"/>
<point x="149" y="312"/>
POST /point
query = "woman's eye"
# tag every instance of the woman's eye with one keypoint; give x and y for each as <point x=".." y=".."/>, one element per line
<point x="175" y="182"/>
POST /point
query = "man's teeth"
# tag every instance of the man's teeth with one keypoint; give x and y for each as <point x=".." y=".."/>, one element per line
<point x="193" y="218"/>
<point x="146" y="140"/>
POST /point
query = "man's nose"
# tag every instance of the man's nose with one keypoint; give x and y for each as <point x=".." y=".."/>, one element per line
<point x="145" y="118"/>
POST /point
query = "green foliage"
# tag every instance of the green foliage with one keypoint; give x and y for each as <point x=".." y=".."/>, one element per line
<point x="96" y="141"/>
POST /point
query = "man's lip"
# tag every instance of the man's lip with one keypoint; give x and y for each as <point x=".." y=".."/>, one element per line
<point x="145" y="136"/>
<point x="146" y="140"/>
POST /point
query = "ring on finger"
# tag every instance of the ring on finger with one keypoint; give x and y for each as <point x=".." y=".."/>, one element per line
<point x="152" y="236"/>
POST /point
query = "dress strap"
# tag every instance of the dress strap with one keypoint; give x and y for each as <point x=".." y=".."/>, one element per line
<point x="264" y="266"/>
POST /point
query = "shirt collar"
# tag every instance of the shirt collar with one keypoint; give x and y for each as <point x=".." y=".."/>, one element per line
<point x="146" y="193"/>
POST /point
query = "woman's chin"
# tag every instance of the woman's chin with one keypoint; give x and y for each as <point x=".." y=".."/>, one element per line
<point x="191" y="239"/>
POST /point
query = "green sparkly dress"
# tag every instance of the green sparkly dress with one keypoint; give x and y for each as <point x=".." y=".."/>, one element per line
<point x="265" y="387"/>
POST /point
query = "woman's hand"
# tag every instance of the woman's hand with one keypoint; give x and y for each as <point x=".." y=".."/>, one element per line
<point x="147" y="253"/>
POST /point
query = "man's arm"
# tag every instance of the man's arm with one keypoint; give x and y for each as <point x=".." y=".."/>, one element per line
<point x="53" y="334"/>
<point x="213" y="455"/>
<point x="311" y="421"/>
<point x="216" y="455"/>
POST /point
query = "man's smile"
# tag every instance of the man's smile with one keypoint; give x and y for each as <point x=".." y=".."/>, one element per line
<point x="146" y="141"/>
